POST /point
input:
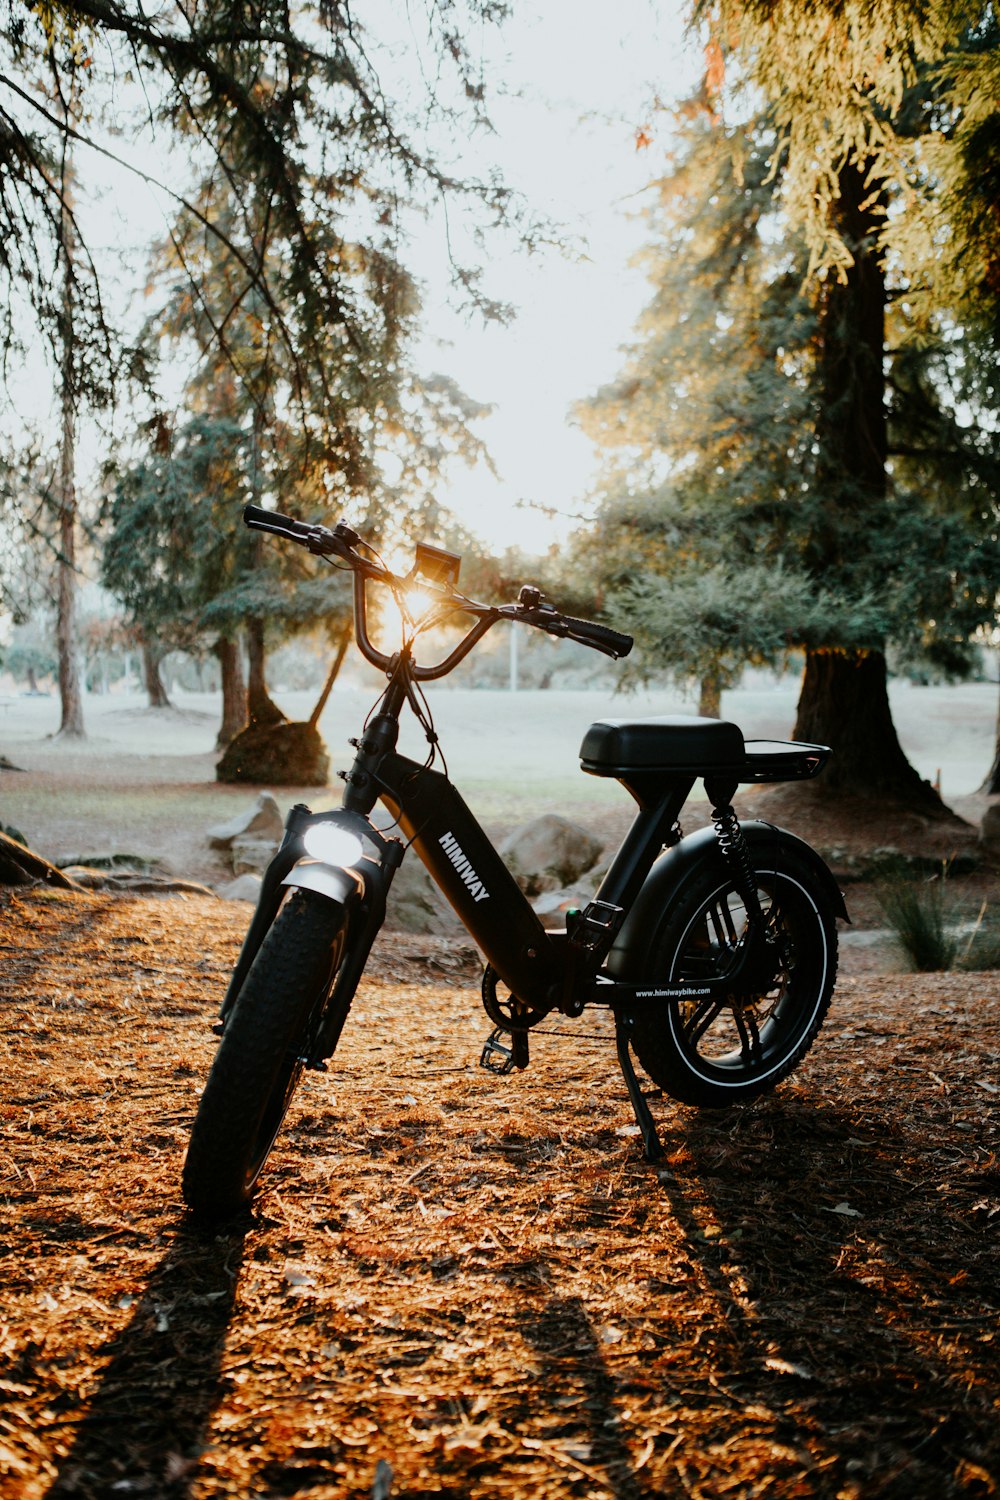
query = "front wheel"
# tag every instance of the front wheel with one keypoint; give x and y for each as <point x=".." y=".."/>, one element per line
<point x="262" y="1053"/>
<point x="732" y="1047"/>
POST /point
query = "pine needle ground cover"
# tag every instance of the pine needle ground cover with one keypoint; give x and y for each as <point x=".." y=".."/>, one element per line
<point x="461" y="1286"/>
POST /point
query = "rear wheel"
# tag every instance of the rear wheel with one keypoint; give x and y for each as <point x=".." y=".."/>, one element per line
<point x="262" y="1054"/>
<point x="726" y="1048"/>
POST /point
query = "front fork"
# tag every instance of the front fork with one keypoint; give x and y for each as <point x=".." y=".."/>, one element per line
<point x="375" y="877"/>
<point x="269" y="899"/>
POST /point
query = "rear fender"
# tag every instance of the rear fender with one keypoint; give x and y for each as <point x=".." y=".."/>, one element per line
<point x="677" y="865"/>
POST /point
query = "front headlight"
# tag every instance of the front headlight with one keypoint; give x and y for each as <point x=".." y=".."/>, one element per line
<point x="333" y="845"/>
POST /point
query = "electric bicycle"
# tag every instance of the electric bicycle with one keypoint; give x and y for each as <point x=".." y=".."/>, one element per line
<point x="716" y="953"/>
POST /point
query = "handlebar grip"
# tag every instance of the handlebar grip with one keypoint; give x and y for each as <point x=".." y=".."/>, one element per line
<point x="601" y="637"/>
<point x="259" y="519"/>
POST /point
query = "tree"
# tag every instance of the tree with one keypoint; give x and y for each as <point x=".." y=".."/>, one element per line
<point x="709" y="431"/>
<point x="70" y="694"/>
<point x="889" y="115"/>
<point x="903" y="91"/>
<point x="305" y="172"/>
<point x="757" y="446"/>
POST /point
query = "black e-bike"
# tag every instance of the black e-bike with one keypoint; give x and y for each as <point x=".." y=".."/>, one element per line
<point x="716" y="953"/>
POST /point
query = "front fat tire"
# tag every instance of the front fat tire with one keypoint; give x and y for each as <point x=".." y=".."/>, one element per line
<point x="260" y="1057"/>
<point x="713" y="1055"/>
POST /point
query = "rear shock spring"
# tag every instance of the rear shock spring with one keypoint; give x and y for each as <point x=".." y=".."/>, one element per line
<point x="736" y="852"/>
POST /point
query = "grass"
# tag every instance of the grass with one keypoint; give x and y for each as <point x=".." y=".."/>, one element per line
<point x="933" y="931"/>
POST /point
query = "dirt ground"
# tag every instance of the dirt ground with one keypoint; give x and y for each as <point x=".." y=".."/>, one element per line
<point x="458" y="1285"/>
<point x="465" y="1286"/>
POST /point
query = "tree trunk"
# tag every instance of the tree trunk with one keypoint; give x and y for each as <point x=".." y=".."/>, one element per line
<point x="155" y="690"/>
<point x="261" y="710"/>
<point x="710" y="697"/>
<point x="338" y="661"/>
<point x="992" y="783"/>
<point x="844" y="703"/>
<point x="70" y="695"/>
<point x="234" y="691"/>
<point x="71" y="725"/>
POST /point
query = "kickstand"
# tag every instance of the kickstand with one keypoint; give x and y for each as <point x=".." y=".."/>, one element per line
<point x="643" y="1117"/>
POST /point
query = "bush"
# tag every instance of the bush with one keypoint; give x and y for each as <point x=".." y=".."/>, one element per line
<point x="276" y="755"/>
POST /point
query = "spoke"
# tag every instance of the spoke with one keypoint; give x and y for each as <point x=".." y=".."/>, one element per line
<point x="746" y="1025"/>
<point x="702" y="1018"/>
<point x="722" y="922"/>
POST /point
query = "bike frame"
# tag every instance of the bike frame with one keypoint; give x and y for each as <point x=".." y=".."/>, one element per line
<point x="544" y="969"/>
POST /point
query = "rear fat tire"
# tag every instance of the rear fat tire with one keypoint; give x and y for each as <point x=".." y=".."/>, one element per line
<point x="260" y="1057"/>
<point x="711" y="1054"/>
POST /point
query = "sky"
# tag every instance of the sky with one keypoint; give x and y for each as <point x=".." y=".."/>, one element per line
<point x="587" y="74"/>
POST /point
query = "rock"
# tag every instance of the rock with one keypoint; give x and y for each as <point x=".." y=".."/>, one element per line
<point x="244" y="888"/>
<point x="251" y="855"/>
<point x="549" y="853"/>
<point x="414" y="903"/>
<point x="21" y="866"/>
<point x="989" y="829"/>
<point x="887" y="863"/>
<point x="279" y="754"/>
<point x="263" y="820"/>
<point x="551" y="907"/>
<point x="14" y="833"/>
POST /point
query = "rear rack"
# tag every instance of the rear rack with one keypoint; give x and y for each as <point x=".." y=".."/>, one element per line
<point x="782" y="760"/>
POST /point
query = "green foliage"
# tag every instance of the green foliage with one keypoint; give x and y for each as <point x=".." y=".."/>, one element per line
<point x="22" y="658"/>
<point x="178" y="557"/>
<point x="908" y="92"/>
<point x="729" y="527"/>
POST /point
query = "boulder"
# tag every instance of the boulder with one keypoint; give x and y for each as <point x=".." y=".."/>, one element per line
<point x="243" y="888"/>
<point x="252" y="855"/>
<point x="549" y="853"/>
<point x="551" y="907"/>
<point x="415" y="904"/>
<point x="262" y="821"/>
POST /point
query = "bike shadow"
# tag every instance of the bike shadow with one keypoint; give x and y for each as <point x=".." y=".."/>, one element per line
<point x="833" y="1264"/>
<point x="144" y="1425"/>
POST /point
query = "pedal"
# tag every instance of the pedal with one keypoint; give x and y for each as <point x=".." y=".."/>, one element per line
<point x="499" y="1057"/>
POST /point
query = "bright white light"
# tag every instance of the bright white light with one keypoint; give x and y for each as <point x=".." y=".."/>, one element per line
<point x="419" y="602"/>
<point x="333" y="845"/>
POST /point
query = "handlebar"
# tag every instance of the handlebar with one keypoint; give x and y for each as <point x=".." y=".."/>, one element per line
<point x="342" y="542"/>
